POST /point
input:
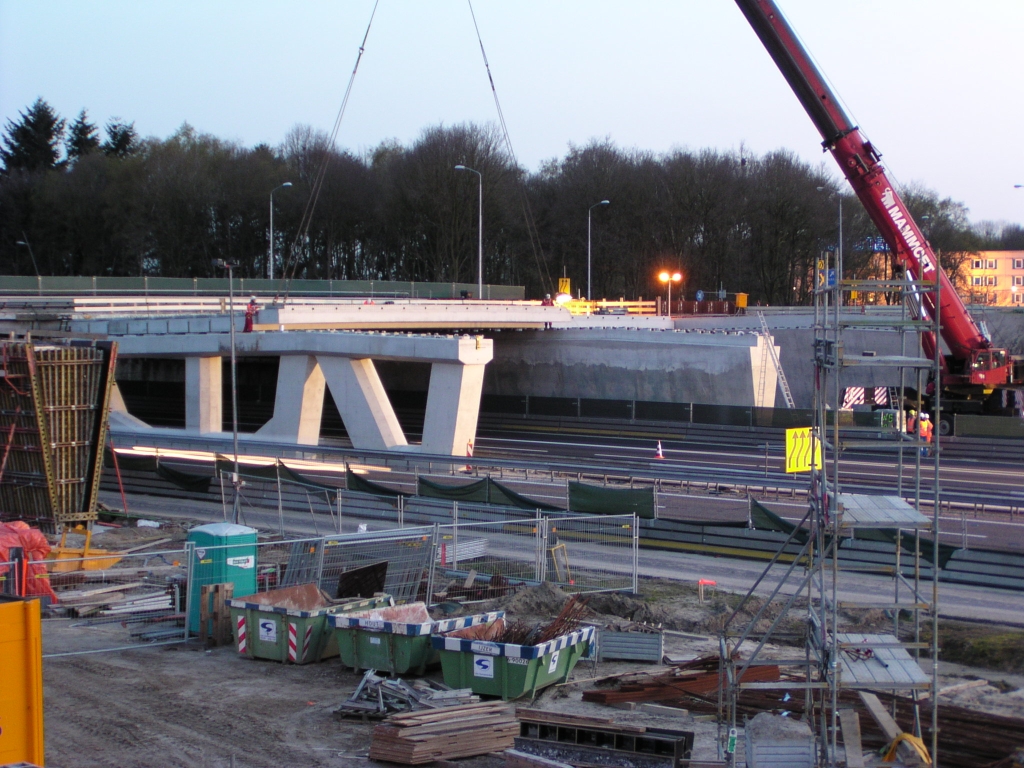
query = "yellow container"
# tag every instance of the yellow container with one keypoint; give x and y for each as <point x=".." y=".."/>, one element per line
<point x="21" y="693"/>
<point x="741" y="301"/>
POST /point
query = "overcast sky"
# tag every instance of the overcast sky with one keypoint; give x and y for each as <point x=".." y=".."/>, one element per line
<point x="935" y="84"/>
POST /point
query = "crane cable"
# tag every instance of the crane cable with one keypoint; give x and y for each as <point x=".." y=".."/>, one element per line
<point x="531" y="225"/>
<point x="321" y="171"/>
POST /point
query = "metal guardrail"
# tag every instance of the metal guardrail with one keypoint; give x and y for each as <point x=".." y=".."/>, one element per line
<point x="14" y="285"/>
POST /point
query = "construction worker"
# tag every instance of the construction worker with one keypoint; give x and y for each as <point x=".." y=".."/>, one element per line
<point x="911" y="421"/>
<point x="926" y="432"/>
<point x="250" y="314"/>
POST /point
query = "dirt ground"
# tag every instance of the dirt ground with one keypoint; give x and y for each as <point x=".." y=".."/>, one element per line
<point x="184" y="706"/>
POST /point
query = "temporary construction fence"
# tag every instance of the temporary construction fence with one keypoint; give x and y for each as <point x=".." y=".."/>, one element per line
<point x="579" y="554"/>
<point x="113" y="601"/>
<point x="409" y="554"/>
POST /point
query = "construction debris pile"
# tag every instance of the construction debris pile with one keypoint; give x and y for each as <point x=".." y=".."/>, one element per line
<point x="519" y="632"/>
<point x="415" y="738"/>
<point x="376" y="697"/>
<point x="699" y="677"/>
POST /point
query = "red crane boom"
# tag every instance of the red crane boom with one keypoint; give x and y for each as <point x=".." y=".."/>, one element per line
<point x="972" y="360"/>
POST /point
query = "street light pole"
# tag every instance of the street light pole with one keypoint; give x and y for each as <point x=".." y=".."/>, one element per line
<point x="839" y="245"/>
<point x="30" y="254"/>
<point x="590" y="287"/>
<point x="667" y="278"/>
<point x="480" y="234"/>
<point x="270" y="244"/>
<point x="230" y="266"/>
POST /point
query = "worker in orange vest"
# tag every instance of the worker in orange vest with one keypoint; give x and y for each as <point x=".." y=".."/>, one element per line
<point x="911" y="421"/>
<point x="926" y="432"/>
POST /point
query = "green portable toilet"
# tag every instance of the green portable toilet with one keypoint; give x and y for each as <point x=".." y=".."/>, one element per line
<point x="224" y="552"/>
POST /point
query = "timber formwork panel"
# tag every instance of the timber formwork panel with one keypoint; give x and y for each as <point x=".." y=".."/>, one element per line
<point x="54" y="401"/>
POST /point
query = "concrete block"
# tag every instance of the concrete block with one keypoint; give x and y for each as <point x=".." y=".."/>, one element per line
<point x="453" y="407"/>
<point x="199" y="325"/>
<point x="157" y="326"/>
<point x="177" y="325"/>
<point x="117" y="327"/>
<point x="223" y="325"/>
<point x="138" y="327"/>
<point x="203" y="394"/>
<point x="362" y="402"/>
<point x="298" y="403"/>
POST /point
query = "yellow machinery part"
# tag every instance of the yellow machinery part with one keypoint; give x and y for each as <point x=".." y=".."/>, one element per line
<point x="912" y="740"/>
<point x="21" y="693"/>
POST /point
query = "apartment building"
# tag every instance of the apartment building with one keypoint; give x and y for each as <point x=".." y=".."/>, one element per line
<point x="995" y="278"/>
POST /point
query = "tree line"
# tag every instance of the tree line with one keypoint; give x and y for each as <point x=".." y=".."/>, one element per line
<point x="73" y="202"/>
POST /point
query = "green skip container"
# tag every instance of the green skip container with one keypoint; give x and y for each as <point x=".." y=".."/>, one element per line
<point x="507" y="670"/>
<point x="395" y="640"/>
<point x="290" y="624"/>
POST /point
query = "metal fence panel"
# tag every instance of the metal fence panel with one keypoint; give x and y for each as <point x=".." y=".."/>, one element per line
<point x="579" y="554"/>
<point x="110" y="602"/>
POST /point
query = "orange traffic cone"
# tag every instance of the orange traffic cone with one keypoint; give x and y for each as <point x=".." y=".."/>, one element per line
<point x="659" y="454"/>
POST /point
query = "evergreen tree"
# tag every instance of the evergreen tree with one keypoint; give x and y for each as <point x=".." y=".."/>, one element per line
<point x="122" y="139"/>
<point x="33" y="143"/>
<point x="82" y="139"/>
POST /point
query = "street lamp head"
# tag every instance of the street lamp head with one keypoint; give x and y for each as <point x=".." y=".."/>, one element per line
<point x="664" y="277"/>
<point x="605" y="202"/>
<point x="21" y="242"/>
<point x="676" y="277"/>
<point x="460" y="168"/>
<point x="286" y="184"/>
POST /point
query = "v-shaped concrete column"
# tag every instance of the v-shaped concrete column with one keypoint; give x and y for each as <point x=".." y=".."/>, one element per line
<point x="298" y="402"/>
<point x="362" y="402"/>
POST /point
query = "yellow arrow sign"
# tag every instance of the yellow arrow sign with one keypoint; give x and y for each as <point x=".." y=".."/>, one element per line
<point x="798" y="450"/>
<point x="563" y="285"/>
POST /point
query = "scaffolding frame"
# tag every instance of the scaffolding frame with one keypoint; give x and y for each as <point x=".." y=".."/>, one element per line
<point x="54" y="405"/>
<point x="835" y="661"/>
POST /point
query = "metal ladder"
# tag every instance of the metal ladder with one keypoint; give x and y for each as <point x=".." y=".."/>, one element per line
<point x="786" y="393"/>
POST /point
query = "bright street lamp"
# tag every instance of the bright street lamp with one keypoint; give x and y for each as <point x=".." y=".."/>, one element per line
<point x="480" y="234"/>
<point x="668" y="279"/>
<point x="235" y="480"/>
<point x="270" y="248"/>
<point x="590" y="288"/>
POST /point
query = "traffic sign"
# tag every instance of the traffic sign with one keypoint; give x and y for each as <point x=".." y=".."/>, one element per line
<point x="798" y="450"/>
<point x="563" y="285"/>
<point x="700" y="295"/>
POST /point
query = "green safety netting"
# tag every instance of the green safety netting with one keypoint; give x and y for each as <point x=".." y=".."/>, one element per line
<point x="485" y="491"/>
<point x="272" y="473"/>
<point x="599" y="500"/>
<point x="359" y="483"/>
<point x="184" y="480"/>
<point x="763" y="519"/>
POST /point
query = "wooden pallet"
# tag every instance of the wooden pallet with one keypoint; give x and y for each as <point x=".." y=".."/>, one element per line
<point x="214" y="614"/>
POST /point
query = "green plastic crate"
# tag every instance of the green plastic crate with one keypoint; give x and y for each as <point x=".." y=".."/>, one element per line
<point x="265" y="631"/>
<point x="507" y="670"/>
<point x="383" y="641"/>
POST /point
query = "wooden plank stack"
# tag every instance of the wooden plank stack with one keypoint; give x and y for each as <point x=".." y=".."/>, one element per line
<point x="114" y="600"/>
<point x="415" y="738"/>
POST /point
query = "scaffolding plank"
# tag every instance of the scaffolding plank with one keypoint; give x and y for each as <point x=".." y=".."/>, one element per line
<point x="859" y="510"/>
<point x="878" y="661"/>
